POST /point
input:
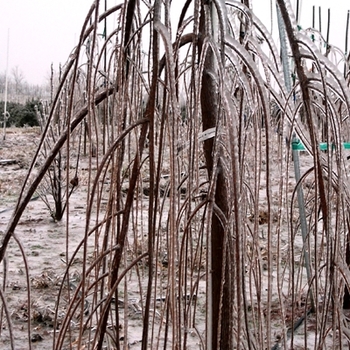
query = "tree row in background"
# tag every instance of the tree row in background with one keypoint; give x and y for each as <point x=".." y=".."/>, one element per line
<point x="20" y="114"/>
<point x="18" y="89"/>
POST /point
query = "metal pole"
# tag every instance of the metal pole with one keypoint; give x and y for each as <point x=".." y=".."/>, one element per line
<point x="319" y="19"/>
<point x="297" y="11"/>
<point x="346" y="41"/>
<point x="303" y="224"/>
<point x="302" y="214"/>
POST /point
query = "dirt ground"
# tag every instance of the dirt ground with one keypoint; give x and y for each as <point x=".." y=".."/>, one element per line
<point x="41" y="243"/>
<point x="39" y="239"/>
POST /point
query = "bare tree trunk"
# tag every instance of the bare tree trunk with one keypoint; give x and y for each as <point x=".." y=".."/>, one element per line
<point x="346" y="297"/>
<point x="220" y="287"/>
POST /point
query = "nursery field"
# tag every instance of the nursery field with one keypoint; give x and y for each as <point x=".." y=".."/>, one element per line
<point x="188" y="187"/>
<point x="37" y="257"/>
<point x="40" y="242"/>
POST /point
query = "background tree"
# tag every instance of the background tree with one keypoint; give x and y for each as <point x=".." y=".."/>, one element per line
<point x="18" y="79"/>
<point x="22" y="114"/>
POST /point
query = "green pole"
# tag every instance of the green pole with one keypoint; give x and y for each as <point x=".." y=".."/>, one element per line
<point x="300" y="194"/>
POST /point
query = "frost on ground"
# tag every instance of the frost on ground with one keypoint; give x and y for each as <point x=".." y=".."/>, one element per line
<point x="272" y="270"/>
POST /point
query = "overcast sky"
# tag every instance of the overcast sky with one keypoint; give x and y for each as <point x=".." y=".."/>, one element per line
<point x="42" y="32"/>
<point x="338" y="15"/>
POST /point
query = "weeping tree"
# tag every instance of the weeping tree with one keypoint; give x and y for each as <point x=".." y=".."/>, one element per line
<point x="193" y="216"/>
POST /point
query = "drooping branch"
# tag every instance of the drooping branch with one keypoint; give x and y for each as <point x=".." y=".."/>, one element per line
<point x="304" y="86"/>
<point x="44" y="168"/>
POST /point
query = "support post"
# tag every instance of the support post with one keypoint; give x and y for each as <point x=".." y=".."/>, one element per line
<point x="303" y="224"/>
